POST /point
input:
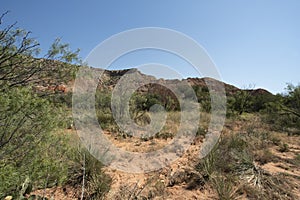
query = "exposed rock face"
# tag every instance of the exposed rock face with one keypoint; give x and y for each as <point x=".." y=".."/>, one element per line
<point x="112" y="77"/>
<point x="61" y="88"/>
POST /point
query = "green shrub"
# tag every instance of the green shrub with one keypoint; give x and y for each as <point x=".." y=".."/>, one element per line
<point x="284" y="112"/>
<point x="296" y="160"/>
<point x="84" y="165"/>
<point x="225" y="187"/>
<point x="46" y="165"/>
<point x="264" y="156"/>
<point x="201" y="131"/>
<point x="230" y="155"/>
<point x="276" y="141"/>
<point x="164" y="135"/>
<point x="284" y="148"/>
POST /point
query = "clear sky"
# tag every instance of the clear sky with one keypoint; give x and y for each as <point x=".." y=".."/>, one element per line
<point x="251" y="41"/>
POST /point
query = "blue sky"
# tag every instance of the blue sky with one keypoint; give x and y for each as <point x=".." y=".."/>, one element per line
<point x="251" y="41"/>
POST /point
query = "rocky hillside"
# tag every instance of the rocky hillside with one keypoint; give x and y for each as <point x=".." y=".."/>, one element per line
<point x="111" y="77"/>
<point x="114" y="75"/>
<point x="253" y="159"/>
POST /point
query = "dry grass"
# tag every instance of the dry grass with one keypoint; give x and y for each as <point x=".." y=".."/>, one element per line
<point x="235" y="169"/>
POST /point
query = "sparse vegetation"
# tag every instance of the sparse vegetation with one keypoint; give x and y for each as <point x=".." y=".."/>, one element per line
<point x="257" y="156"/>
<point x="235" y="167"/>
